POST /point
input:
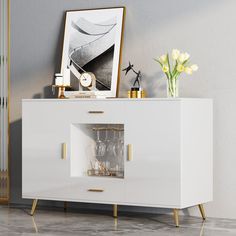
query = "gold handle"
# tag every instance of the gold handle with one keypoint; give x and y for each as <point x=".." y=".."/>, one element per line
<point x="130" y="152"/>
<point x="96" y="112"/>
<point x="98" y="190"/>
<point x="64" y="151"/>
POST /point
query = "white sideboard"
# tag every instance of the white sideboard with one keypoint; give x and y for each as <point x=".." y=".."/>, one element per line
<point x="167" y="159"/>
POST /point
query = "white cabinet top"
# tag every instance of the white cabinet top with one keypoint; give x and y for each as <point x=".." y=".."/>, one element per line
<point x="115" y="99"/>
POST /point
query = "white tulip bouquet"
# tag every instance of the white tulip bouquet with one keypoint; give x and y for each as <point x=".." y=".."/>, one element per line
<point x="180" y="63"/>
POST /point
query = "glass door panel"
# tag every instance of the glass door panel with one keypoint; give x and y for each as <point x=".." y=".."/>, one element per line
<point x="97" y="150"/>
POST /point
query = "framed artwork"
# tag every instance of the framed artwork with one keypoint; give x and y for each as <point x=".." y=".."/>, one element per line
<point x="91" y="51"/>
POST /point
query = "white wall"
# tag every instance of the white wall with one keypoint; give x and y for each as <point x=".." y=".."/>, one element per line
<point x="205" y="29"/>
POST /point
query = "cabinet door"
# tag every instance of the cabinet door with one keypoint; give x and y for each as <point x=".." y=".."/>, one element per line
<point x="45" y="130"/>
<point x="46" y="175"/>
<point x="152" y="131"/>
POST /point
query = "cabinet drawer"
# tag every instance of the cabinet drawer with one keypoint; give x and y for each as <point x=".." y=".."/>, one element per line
<point x="102" y="192"/>
<point x="96" y="111"/>
<point x="87" y="190"/>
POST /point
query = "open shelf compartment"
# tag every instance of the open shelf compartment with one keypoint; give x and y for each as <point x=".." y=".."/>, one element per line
<point x="97" y="150"/>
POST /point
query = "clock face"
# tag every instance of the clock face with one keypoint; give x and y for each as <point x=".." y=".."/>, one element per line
<point x="86" y="79"/>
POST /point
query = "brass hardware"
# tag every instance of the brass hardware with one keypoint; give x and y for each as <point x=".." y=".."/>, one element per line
<point x="201" y="208"/>
<point x="64" y="151"/>
<point x="97" y="190"/>
<point x="130" y="152"/>
<point x="115" y="211"/>
<point x="176" y="217"/>
<point x="95" y="112"/>
<point x="34" y="205"/>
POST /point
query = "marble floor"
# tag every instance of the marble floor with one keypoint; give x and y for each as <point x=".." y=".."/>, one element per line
<point x="15" y="222"/>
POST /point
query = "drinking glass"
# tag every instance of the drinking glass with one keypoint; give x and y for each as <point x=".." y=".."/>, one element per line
<point x="120" y="144"/>
<point x="120" y="149"/>
<point x="111" y="146"/>
<point x="100" y="146"/>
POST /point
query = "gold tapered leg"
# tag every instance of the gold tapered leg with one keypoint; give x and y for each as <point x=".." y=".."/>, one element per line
<point x="34" y="205"/>
<point x="201" y="208"/>
<point x="115" y="223"/>
<point x="115" y="211"/>
<point x="34" y="225"/>
<point x="176" y="217"/>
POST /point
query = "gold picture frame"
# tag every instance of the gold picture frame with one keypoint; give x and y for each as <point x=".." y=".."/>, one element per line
<point x="4" y="199"/>
<point x="93" y="40"/>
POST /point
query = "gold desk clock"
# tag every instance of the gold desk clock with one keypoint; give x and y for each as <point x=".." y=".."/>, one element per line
<point x="88" y="80"/>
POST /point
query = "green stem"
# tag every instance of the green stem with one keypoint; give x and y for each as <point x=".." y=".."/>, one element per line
<point x="175" y="68"/>
<point x="167" y="75"/>
<point x="168" y="61"/>
<point x="172" y="87"/>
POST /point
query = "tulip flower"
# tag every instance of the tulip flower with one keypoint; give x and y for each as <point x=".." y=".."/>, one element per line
<point x="194" y="67"/>
<point x="183" y="57"/>
<point x="180" y="63"/>
<point x="180" y="68"/>
<point x="165" y="68"/>
<point x="186" y="56"/>
<point x="163" y="59"/>
<point x="188" y="70"/>
<point x="175" y="54"/>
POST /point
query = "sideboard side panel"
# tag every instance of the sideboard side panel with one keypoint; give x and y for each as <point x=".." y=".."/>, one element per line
<point x="196" y="152"/>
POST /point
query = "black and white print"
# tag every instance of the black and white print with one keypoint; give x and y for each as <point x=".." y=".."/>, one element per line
<point x="92" y="44"/>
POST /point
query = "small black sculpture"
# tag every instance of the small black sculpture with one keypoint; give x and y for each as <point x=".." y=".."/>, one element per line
<point x="138" y="75"/>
